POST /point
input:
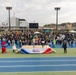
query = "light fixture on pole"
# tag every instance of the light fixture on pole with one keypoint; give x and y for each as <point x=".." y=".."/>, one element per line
<point x="9" y="8"/>
<point x="57" y="8"/>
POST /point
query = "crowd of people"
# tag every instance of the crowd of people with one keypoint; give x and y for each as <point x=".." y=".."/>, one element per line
<point x="28" y="37"/>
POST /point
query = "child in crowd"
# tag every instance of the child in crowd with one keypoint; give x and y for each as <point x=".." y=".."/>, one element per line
<point x="42" y="42"/>
<point x="19" y="47"/>
<point x="34" y="40"/>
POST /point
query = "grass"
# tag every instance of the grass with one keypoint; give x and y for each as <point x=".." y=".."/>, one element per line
<point x="41" y="73"/>
<point x="60" y="53"/>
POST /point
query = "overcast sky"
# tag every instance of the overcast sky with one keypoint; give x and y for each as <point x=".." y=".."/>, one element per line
<point x="41" y="11"/>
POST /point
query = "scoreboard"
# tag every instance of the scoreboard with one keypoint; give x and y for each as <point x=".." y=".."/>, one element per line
<point x="33" y="25"/>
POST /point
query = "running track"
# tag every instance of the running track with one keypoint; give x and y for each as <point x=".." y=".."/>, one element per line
<point x="38" y="64"/>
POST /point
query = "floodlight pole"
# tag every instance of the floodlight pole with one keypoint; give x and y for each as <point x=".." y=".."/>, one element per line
<point x="57" y="8"/>
<point x="9" y="8"/>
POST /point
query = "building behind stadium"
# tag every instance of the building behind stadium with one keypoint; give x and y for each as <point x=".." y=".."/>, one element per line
<point x="15" y="23"/>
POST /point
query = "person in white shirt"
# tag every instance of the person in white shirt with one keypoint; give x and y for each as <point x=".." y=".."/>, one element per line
<point x="33" y="40"/>
<point x="14" y="48"/>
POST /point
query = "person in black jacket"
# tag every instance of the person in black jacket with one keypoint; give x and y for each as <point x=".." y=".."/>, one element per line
<point x="65" y="46"/>
<point x="42" y="42"/>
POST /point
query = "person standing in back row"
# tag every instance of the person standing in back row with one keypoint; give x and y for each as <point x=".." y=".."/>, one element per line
<point x="65" y="46"/>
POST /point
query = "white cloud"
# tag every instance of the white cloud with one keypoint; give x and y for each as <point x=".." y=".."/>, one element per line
<point x="41" y="11"/>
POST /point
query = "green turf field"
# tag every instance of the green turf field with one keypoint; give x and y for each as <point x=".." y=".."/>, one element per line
<point x="43" y="73"/>
<point x="59" y="53"/>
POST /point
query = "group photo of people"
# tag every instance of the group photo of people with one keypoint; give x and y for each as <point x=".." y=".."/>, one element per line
<point x="16" y="39"/>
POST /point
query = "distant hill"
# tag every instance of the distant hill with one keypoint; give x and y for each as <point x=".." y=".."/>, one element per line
<point x="67" y="25"/>
<point x="62" y="24"/>
<point x="49" y="25"/>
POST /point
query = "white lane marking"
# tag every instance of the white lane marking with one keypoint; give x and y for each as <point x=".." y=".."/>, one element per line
<point x="37" y="72"/>
<point x="36" y="60"/>
<point x="61" y="65"/>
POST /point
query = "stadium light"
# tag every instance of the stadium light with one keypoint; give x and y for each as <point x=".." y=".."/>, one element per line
<point x="9" y="8"/>
<point x="57" y="8"/>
